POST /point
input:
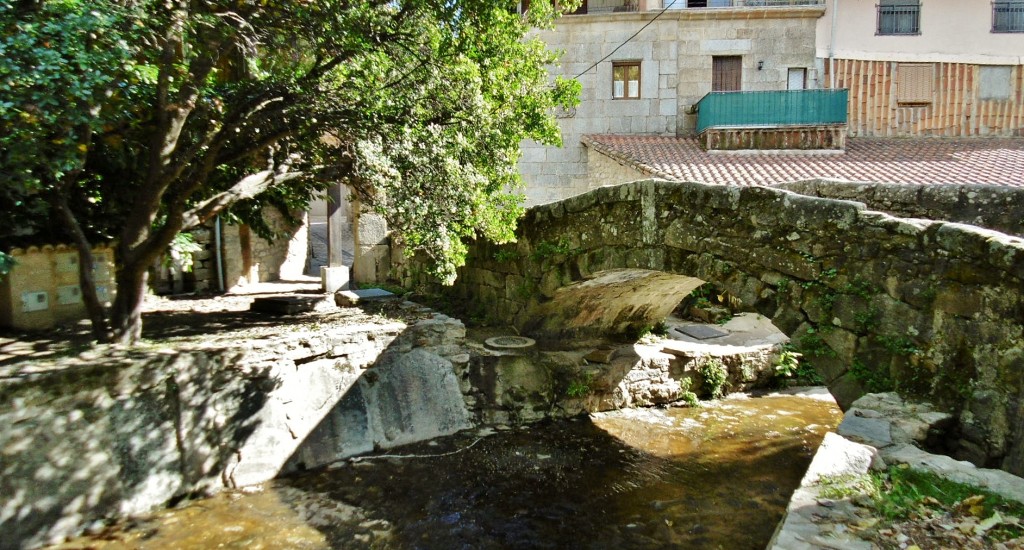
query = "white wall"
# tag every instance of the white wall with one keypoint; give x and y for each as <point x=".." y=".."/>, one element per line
<point x="957" y="31"/>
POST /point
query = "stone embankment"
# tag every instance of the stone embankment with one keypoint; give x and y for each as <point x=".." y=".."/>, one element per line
<point x="114" y="433"/>
<point x="878" y="431"/>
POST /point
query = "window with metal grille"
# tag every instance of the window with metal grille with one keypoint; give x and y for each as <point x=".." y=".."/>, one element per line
<point x="915" y="83"/>
<point x="626" y="80"/>
<point x="726" y="73"/>
<point x="899" y="17"/>
<point x="1008" y="16"/>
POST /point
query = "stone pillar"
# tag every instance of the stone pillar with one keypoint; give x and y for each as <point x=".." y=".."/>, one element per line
<point x="335" y="276"/>
<point x="372" y="251"/>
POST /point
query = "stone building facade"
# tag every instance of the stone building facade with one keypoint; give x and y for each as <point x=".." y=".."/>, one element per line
<point x="677" y="51"/>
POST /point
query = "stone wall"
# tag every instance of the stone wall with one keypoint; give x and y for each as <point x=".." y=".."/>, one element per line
<point x="990" y="206"/>
<point x="116" y="433"/>
<point x="675" y="53"/>
<point x="246" y="257"/>
<point x="931" y="308"/>
<point x="512" y="388"/>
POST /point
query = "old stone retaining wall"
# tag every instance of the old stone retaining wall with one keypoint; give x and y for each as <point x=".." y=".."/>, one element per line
<point x="117" y="433"/>
<point x="875" y="302"/>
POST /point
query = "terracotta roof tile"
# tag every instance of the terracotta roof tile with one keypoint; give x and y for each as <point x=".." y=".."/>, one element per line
<point x="996" y="161"/>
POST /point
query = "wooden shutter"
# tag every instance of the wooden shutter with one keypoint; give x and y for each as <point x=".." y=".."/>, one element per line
<point x="915" y="82"/>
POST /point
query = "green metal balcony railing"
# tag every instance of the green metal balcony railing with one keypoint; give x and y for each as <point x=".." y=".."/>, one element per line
<point x="772" y="108"/>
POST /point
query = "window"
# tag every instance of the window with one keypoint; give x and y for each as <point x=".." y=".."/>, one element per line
<point x="726" y="73"/>
<point x="797" y="79"/>
<point x="899" y="17"/>
<point x="1008" y="16"/>
<point x="626" y="80"/>
<point x="995" y="83"/>
<point x="915" y="82"/>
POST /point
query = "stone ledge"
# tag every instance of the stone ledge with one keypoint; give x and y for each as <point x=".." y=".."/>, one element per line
<point x="893" y="427"/>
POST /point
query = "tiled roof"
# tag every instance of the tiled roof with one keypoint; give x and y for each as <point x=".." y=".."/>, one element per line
<point x="997" y="161"/>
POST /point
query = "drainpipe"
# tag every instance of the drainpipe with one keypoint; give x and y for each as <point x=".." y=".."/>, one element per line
<point x="832" y="47"/>
<point x="220" y="256"/>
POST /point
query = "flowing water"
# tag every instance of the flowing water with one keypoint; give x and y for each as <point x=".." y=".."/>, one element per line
<point x="718" y="476"/>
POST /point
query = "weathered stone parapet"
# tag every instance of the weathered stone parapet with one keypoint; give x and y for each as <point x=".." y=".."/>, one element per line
<point x="931" y="308"/>
<point x="990" y="206"/>
<point x="115" y="433"/>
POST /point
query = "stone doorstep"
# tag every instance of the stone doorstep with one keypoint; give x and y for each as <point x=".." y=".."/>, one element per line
<point x="349" y="298"/>
<point x="284" y="305"/>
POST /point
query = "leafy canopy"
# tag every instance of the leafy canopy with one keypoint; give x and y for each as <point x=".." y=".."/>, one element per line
<point x="151" y="116"/>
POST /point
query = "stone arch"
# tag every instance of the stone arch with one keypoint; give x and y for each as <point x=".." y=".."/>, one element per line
<point x="931" y="308"/>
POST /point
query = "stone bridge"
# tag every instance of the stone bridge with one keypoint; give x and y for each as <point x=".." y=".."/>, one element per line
<point x="934" y="309"/>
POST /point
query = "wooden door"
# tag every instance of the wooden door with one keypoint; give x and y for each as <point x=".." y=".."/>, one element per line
<point x="726" y="73"/>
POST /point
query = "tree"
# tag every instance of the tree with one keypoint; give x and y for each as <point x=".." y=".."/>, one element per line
<point x="133" y="120"/>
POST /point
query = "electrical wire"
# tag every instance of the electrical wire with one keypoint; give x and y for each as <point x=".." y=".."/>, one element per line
<point x="653" y="19"/>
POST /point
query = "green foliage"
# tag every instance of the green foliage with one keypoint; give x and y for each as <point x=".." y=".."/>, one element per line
<point x="687" y="396"/>
<point x="860" y="287"/>
<point x="506" y="256"/>
<point x="580" y="386"/>
<point x="181" y="250"/>
<point x="866" y="321"/>
<point x="715" y="377"/>
<point x="151" y="117"/>
<point x="549" y="249"/>
<point x="874" y="380"/>
<point x="659" y="329"/>
<point x="6" y="264"/>
<point x="788" y="362"/>
<point x="783" y="285"/>
<point x="812" y="344"/>
<point x="901" y="493"/>
<point x="898" y="345"/>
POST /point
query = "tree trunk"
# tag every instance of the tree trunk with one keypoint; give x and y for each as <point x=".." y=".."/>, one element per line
<point x="86" y="278"/>
<point x="126" y="315"/>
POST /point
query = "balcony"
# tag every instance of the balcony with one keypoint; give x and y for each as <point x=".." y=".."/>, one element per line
<point x="787" y="119"/>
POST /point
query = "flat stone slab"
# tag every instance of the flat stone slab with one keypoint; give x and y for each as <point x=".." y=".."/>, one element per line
<point x="349" y="298"/>
<point x="870" y="431"/>
<point x="601" y="355"/>
<point x="701" y="332"/>
<point x="284" y="305"/>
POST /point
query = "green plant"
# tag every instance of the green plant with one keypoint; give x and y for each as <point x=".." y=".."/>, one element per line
<point x="898" y="345"/>
<point x="788" y="362"/>
<point x="548" y="249"/>
<point x="901" y="493"/>
<point x="715" y="377"/>
<point x="874" y="380"/>
<point x="180" y="252"/>
<point x="581" y="386"/>
<point x="860" y="287"/>
<point x="687" y="396"/>
<point x="505" y="256"/>
<point x="865" y="321"/>
<point x="783" y="285"/>
<point x="812" y="344"/>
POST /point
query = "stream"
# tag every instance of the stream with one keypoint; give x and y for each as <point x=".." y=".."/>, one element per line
<point x="717" y="476"/>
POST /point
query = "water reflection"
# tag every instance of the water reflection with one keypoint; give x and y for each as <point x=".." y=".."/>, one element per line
<point x="714" y="477"/>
